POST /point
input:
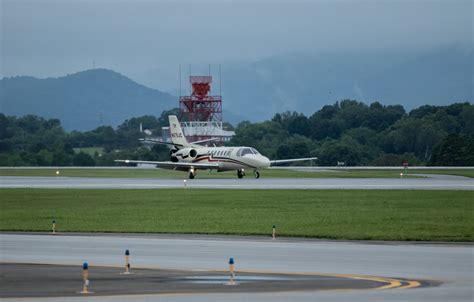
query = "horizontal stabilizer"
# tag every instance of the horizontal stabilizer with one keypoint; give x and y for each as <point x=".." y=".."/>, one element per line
<point x="155" y="141"/>
<point x="205" y="140"/>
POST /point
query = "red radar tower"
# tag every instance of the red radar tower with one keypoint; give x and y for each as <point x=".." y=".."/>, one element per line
<point x="200" y="106"/>
<point x="200" y="114"/>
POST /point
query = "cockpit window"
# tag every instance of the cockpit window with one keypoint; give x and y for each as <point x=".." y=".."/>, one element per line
<point x="244" y="151"/>
<point x="254" y="151"/>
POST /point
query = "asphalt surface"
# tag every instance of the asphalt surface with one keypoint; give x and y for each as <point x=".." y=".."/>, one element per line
<point x="45" y="280"/>
<point x="450" y="267"/>
<point x="437" y="183"/>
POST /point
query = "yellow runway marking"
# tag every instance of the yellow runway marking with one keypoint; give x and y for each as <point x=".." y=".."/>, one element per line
<point x="390" y="283"/>
<point x="411" y="284"/>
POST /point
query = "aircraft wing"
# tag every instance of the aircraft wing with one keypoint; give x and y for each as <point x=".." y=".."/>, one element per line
<point x="171" y="165"/>
<point x="192" y="144"/>
<point x="283" y="161"/>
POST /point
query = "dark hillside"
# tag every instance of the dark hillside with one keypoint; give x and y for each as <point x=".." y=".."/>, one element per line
<point x="84" y="100"/>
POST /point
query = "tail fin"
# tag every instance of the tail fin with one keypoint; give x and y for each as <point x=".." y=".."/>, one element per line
<point x="177" y="136"/>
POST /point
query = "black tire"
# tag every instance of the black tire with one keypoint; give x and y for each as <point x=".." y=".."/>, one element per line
<point x="240" y="174"/>
<point x="257" y="175"/>
<point x="191" y="175"/>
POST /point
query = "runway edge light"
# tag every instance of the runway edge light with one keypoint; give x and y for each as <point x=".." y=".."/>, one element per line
<point x="54" y="226"/>
<point x="232" y="272"/>
<point x="85" y="279"/>
<point x="274" y="231"/>
<point x="127" y="262"/>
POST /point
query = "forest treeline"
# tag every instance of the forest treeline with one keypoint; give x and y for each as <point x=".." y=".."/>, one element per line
<point x="348" y="131"/>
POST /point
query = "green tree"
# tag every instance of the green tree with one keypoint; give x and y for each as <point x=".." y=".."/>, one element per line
<point x="385" y="159"/>
<point x="423" y="111"/>
<point x="347" y="150"/>
<point x="265" y="137"/>
<point x="348" y="131"/>
<point x="353" y="113"/>
<point x="467" y="119"/>
<point x="454" y="150"/>
<point x="380" y="117"/>
<point x="83" y="160"/>
<point x="323" y="128"/>
<point x="295" y="146"/>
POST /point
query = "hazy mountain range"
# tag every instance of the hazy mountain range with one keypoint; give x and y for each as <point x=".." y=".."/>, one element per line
<point x="306" y="82"/>
<point x="83" y="100"/>
<point x="252" y="91"/>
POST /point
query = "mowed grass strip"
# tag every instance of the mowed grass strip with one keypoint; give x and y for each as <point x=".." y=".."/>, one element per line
<point x="161" y="173"/>
<point x="457" y="172"/>
<point x="337" y="214"/>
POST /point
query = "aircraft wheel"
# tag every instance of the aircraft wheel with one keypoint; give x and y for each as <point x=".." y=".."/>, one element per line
<point x="240" y="174"/>
<point x="257" y="175"/>
<point x="191" y="175"/>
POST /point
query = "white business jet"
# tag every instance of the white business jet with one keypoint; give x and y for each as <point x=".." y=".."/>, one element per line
<point x="191" y="157"/>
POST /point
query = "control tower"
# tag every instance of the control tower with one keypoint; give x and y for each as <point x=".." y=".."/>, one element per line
<point x="201" y="113"/>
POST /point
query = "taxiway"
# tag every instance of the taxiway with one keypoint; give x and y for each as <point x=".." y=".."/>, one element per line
<point x="448" y="266"/>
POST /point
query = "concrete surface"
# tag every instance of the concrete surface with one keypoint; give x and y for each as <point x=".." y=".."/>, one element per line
<point x="451" y="265"/>
<point x="45" y="280"/>
<point x="438" y="183"/>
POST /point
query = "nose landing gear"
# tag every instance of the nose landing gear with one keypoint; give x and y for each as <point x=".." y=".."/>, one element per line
<point x="257" y="175"/>
<point x="192" y="174"/>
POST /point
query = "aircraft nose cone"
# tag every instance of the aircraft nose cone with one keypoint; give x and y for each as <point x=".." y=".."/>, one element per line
<point x="266" y="161"/>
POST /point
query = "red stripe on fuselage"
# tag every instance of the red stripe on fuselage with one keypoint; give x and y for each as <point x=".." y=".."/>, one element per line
<point x="222" y="159"/>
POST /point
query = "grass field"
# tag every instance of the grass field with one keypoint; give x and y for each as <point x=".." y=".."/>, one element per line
<point x="458" y="172"/>
<point x="338" y="214"/>
<point x="160" y="173"/>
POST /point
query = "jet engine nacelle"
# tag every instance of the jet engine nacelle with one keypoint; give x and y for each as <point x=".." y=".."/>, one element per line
<point x="173" y="157"/>
<point x="186" y="154"/>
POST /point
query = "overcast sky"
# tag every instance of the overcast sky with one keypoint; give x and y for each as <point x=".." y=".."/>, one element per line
<point x="52" y="38"/>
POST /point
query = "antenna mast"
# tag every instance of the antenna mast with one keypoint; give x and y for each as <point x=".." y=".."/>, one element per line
<point x="179" y="79"/>
<point x="220" y="80"/>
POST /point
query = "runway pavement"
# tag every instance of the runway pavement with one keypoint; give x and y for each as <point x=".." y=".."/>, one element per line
<point x="435" y="183"/>
<point x="450" y="265"/>
<point x="21" y="280"/>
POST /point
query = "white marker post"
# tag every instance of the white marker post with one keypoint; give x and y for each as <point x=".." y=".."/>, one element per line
<point x="274" y="231"/>
<point x="127" y="263"/>
<point x="85" y="279"/>
<point x="54" y="226"/>
<point x="184" y="182"/>
<point x="232" y="272"/>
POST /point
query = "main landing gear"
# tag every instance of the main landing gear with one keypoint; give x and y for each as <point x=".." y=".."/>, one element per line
<point x="241" y="173"/>
<point x="192" y="173"/>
